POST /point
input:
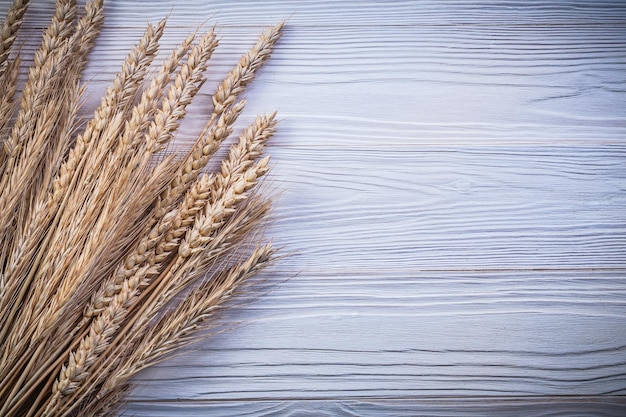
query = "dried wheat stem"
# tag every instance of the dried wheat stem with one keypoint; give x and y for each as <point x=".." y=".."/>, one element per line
<point x="22" y="245"/>
<point x="66" y="129"/>
<point x="56" y="81"/>
<point x="8" y="31"/>
<point x="112" y="165"/>
<point x="177" y="327"/>
<point x="22" y="338"/>
<point x="118" y="362"/>
<point x="7" y="106"/>
<point x="100" y="331"/>
<point x="248" y="218"/>
<point x="93" y="19"/>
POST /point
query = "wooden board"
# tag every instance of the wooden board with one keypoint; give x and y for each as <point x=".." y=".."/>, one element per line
<point x="453" y="184"/>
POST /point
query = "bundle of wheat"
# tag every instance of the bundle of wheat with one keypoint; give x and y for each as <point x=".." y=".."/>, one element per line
<point x="101" y="235"/>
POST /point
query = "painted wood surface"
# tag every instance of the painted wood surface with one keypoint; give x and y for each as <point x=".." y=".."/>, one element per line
<point x="452" y="180"/>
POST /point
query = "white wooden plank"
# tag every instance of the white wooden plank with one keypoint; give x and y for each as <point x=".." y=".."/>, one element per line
<point x="415" y="335"/>
<point x="409" y="84"/>
<point x="453" y="208"/>
<point x="365" y="408"/>
<point x="415" y="85"/>
<point x="125" y="13"/>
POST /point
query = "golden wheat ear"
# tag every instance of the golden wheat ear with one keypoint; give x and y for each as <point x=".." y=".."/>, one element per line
<point x="9" y="71"/>
<point x="8" y="31"/>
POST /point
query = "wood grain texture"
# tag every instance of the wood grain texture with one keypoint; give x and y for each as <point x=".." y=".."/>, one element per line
<point x="452" y="178"/>
<point x="539" y="407"/>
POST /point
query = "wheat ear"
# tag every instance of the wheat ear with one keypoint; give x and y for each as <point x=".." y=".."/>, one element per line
<point x="243" y="73"/>
<point x="8" y="85"/>
<point x="9" y="29"/>
<point x="185" y="86"/>
<point x="9" y="69"/>
<point x="199" y="156"/>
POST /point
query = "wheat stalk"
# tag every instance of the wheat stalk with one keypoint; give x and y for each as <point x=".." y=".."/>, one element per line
<point x="98" y="231"/>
